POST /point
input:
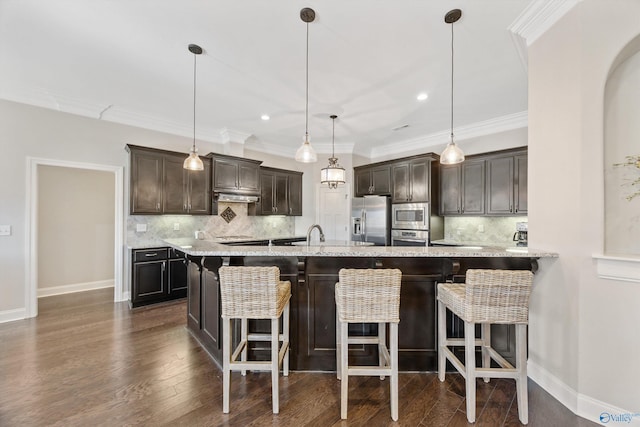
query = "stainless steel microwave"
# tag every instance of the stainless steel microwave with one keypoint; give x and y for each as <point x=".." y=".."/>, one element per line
<point x="410" y="216"/>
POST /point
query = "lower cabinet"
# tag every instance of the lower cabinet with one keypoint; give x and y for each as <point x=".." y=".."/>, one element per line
<point x="158" y="274"/>
<point x="316" y="337"/>
<point x="203" y="304"/>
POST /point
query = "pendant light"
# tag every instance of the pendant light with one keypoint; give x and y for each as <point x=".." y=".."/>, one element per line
<point x="193" y="162"/>
<point x="334" y="173"/>
<point x="306" y="153"/>
<point x="452" y="154"/>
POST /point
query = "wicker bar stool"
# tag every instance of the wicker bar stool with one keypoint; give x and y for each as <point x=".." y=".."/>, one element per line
<point x="254" y="293"/>
<point x="368" y="296"/>
<point x="488" y="297"/>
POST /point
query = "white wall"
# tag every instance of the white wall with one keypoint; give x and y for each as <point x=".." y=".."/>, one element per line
<point x="75" y="226"/>
<point x="27" y="131"/>
<point x="583" y="339"/>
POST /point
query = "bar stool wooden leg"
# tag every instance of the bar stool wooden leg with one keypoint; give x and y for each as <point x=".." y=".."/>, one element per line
<point x="470" y="369"/>
<point x="382" y="342"/>
<point x="285" y="334"/>
<point x="344" y="367"/>
<point x="521" y="379"/>
<point x="442" y="337"/>
<point x="393" y="330"/>
<point x="338" y="348"/>
<point x="226" y="361"/>
<point x="485" y="335"/>
<point x="274" y="365"/>
<point x="243" y="334"/>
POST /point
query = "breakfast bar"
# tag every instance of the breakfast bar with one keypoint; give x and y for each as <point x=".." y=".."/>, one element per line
<point x="313" y="272"/>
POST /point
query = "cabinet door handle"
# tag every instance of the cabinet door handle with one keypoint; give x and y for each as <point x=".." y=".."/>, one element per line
<point x="158" y="205"/>
<point x="163" y="265"/>
<point x="150" y="255"/>
<point x="184" y="206"/>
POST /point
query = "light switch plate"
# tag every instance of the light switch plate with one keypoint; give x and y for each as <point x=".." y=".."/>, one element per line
<point x="141" y="228"/>
<point x="176" y="226"/>
<point x="5" y="230"/>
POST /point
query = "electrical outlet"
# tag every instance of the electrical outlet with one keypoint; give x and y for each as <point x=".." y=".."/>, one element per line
<point x="5" y="230"/>
<point x="176" y="226"/>
<point x="480" y="228"/>
<point x="141" y="228"/>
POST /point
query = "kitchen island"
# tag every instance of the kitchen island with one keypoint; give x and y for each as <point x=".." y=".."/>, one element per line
<point x="313" y="272"/>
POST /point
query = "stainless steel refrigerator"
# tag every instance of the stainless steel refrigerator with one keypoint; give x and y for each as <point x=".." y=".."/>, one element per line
<point x="371" y="220"/>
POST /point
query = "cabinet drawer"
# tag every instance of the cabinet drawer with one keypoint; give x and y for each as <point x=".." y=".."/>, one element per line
<point x="143" y="255"/>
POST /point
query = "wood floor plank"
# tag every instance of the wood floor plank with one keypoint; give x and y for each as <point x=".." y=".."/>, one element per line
<point x="86" y="360"/>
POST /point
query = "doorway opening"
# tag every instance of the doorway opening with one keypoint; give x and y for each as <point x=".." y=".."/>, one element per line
<point x="34" y="198"/>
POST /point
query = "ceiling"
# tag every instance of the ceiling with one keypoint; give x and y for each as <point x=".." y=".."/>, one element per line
<point x="128" y="62"/>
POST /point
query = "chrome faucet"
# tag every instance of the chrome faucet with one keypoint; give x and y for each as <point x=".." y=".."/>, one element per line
<point x="309" y="233"/>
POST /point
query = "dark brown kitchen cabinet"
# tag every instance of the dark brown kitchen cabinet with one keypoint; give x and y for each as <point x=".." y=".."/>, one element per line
<point x="295" y="193"/>
<point x="204" y="303"/>
<point x="372" y="179"/>
<point x="160" y="185"/>
<point x="462" y="189"/>
<point x="186" y="191"/>
<point x="280" y="193"/>
<point x="507" y="184"/>
<point x="521" y="184"/>
<point x="158" y="274"/>
<point x="235" y="175"/>
<point x="146" y="168"/>
<point x="410" y="180"/>
<point x="316" y="340"/>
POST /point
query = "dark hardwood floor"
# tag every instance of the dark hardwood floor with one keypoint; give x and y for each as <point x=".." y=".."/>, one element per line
<point x="87" y="361"/>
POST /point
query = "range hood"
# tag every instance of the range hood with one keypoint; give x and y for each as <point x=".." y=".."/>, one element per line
<point x="235" y="198"/>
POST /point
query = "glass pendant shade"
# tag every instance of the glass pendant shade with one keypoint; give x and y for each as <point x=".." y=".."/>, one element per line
<point x="193" y="162"/>
<point x="452" y="154"/>
<point x="306" y="153"/>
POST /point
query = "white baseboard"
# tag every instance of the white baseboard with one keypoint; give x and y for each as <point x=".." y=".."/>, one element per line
<point x="76" y="287"/>
<point x="580" y="404"/>
<point x="11" y="315"/>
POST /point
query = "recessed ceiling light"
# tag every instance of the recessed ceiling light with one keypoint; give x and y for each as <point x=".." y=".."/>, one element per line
<point x="265" y="117"/>
<point x="422" y="96"/>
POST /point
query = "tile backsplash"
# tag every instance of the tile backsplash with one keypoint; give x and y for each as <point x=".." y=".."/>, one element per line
<point x="163" y="226"/>
<point x="498" y="230"/>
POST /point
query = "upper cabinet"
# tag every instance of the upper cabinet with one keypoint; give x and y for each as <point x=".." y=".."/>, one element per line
<point x="462" y="188"/>
<point x="186" y="191"/>
<point x="507" y="184"/>
<point x="493" y="184"/>
<point x="372" y="179"/>
<point x="235" y="175"/>
<point x="520" y="184"/>
<point x="160" y="185"/>
<point x="280" y="193"/>
<point x="145" y="189"/>
<point x="410" y="180"/>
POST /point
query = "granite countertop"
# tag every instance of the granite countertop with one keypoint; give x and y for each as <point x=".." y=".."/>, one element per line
<point x="212" y="248"/>
<point x="142" y="243"/>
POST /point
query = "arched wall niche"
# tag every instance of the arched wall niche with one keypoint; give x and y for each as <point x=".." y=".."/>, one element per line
<point x="622" y="153"/>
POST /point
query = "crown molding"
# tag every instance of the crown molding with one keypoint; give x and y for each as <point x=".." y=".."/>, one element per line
<point x="487" y="127"/>
<point x="538" y="17"/>
<point x="42" y="98"/>
<point x="229" y="135"/>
